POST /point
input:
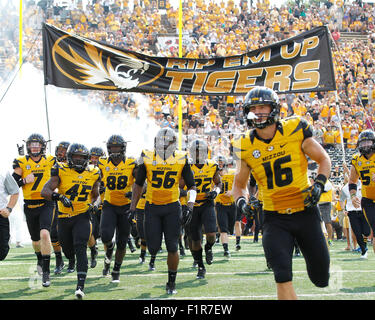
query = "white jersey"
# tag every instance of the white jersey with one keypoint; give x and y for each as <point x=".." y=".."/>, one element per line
<point x="345" y="195"/>
<point x="8" y="186"/>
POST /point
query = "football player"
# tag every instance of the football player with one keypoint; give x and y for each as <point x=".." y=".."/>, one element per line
<point x="163" y="168"/>
<point x="225" y="207"/>
<point x="31" y="172"/>
<point x="118" y="174"/>
<point x="208" y="183"/>
<point x="275" y="152"/>
<point x="139" y="216"/>
<point x="96" y="155"/>
<point x="60" y="156"/>
<point x="78" y="190"/>
<point x="363" y="168"/>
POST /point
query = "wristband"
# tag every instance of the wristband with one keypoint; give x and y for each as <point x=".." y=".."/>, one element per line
<point x="241" y="201"/>
<point x="352" y="195"/>
<point x="9" y="209"/>
<point x="217" y="190"/>
<point x="192" y="196"/>
<point x="322" y="179"/>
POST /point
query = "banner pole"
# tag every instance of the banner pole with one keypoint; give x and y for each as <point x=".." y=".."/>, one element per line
<point x="47" y="118"/>
<point x="180" y="96"/>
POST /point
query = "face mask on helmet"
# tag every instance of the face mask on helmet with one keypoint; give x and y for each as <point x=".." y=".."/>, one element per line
<point x="35" y="145"/>
<point x="78" y="157"/>
<point x="95" y="154"/>
<point x="264" y="97"/>
<point x="165" y="143"/>
<point x="366" y="142"/>
<point x="221" y="162"/>
<point x="116" y="147"/>
<point x="366" y="147"/>
<point x="198" y="152"/>
<point x="61" y="150"/>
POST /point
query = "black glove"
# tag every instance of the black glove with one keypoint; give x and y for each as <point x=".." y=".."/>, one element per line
<point x="254" y="203"/>
<point x="128" y="195"/>
<point x="131" y="214"/>
<point x="211" y="195"/>
<point x="187" y="214"/>
<point x="313" y="194"/>
<point x="245" y="207"/>
<point x="65" y="201"/>
<point x="93" y="208"/>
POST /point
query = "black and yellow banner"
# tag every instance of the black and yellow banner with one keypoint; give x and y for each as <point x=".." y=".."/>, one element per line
<point x="299" y="64"/>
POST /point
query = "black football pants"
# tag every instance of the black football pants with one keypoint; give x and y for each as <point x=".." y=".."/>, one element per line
<point x="279" y="234"/>
<point x="74" y="233"/>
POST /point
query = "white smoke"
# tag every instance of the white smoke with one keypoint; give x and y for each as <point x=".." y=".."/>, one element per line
<point x="23" y="112"/>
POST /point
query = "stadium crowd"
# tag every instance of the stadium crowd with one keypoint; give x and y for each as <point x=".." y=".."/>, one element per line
<point x="221" y="29"/>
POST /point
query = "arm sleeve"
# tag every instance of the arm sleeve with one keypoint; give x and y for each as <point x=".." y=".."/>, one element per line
<point x="188" y="175"/>
<point x="141" y="175"/>
<point x="11" y="185"/>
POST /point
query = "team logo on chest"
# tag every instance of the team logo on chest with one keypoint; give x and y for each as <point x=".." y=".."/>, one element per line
<point x="256" y="154"/>
<point x="270" y="148"/>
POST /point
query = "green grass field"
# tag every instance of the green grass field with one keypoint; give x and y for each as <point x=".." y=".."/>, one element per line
<point x="243" y="276"/>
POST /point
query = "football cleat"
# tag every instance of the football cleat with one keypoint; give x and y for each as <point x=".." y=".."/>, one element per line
<point x="71" y="266"/>
<point x="227" y="254"/>
<point x="195" y="264"/>
<point x="45" y="279"/>
<point x="209" y="256"/>
<point x="59" y="268"/>
<point x="171" y="288"/>
<point x="364" y="255"/>
<point x="238" y="247"/>
<point x="151" y="266"/>
<point x="115" y="276"/>
<point x="201" y="273"/>
<point x="142" y="259"/>
<point x="79" y="293"/>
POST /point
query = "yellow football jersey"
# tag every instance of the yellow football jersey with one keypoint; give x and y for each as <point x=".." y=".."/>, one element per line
<point x="203" y="178"/>
<point x="279" y="166"/>
<point x="163" y="176"/>
<point x="118" y="180"/>
<point x="227" y="183"/>
<point x="366" y="170"/>
<point x="41" y="171"/>
<point x="76" y="187"/>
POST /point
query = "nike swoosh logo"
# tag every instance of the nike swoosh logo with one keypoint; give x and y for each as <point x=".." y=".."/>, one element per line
<point x="282" y="145"/>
